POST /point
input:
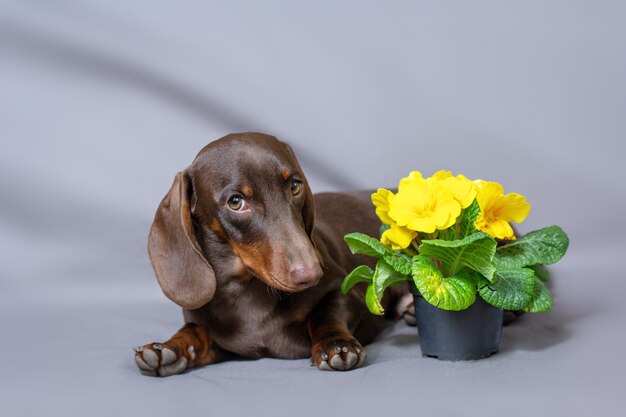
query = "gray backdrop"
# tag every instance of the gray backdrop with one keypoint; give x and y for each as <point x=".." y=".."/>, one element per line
<point x="102" y="103"/>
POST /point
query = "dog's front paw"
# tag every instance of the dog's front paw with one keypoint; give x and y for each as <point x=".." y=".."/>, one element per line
<point x="338" y="355"/>
<point x="163" y="359"/>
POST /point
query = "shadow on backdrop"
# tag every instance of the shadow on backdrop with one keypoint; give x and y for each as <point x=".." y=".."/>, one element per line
<point x="76" y="57"/>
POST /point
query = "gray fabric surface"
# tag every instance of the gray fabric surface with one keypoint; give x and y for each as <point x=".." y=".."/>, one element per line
<point x="102" y="103"/>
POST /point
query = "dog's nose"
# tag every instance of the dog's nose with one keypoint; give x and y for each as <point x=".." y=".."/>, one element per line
<point x="305" y="277"/>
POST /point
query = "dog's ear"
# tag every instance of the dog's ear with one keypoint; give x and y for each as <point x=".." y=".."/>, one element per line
<point x="308" y="209"/>
<point x="184" y="274"/>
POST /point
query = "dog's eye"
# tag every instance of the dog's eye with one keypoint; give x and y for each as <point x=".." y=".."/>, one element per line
<point x="237" y="203"/>
<point x="296" y="187"/>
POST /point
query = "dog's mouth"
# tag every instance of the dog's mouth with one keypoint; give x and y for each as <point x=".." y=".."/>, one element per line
<point x="280" y="285"/>
<point x="286" y="287"/>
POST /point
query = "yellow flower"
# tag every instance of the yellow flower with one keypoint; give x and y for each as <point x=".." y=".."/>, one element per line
<point x="381" y="199"/>
<point x="414" y="176"/>
<point x="441" y="175"/>
<point x="423" y="205"/>
<point x="398" y="237"/>
<point x="479" y="183"/>
<point x="464" y="190"/>
<point x="498" y="209"/>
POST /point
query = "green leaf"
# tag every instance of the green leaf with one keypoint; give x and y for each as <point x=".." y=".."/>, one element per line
<point x="385" y="276"/>
<point x="399" y="262"/>
<point x="541" y="300"/>
<point x="361" y="273"/>
<point x="372" y="301"/>
<point x="476" y="252"/>
<point x="512" y="289"/>
<point x="454" y="293"/>
<point x="447" y="234"/>
<point x="468" y="218"/>
<point x="543" y="246"/>
<point x="363" y="244"/>
<point x="383" y="229"/>
<point x="541" y="272"/>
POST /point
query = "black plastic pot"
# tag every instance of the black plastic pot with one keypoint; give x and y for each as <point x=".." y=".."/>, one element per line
<point x="469" y="334"/>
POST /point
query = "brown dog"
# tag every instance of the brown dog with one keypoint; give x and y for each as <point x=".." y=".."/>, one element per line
<point x="256" y="262"/>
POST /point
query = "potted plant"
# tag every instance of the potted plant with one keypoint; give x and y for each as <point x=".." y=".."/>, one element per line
<point x="451" y="239"/>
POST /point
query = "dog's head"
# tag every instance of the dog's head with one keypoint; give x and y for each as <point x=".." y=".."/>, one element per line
<point x="246" y="192"/>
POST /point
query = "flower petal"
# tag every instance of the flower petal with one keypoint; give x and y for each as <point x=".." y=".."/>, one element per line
<point x="501" y="230"/>
<point x="514" y="208"/>
<point x="424" y="206"/>
<point x="412" y="178"/>
<point x="488" y="194"/>
<point x="381" y="199"/>
<point x="422" y="224"/>
<point x="398" y="237"/>
<point x="464" y="190"/>
<point x="441" y="175"/>
<point x="497" y="210"/>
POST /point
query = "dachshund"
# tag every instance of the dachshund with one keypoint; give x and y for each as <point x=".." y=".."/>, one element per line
<point x="256" y="262"/>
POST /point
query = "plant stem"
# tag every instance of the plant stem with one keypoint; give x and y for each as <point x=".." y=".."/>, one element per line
<point x="415" y="246"/>
<point x="409" y="251"/>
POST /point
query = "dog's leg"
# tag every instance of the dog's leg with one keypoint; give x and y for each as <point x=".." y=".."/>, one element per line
<point x="190" y="347"/>
<point x="333" y="347"/>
